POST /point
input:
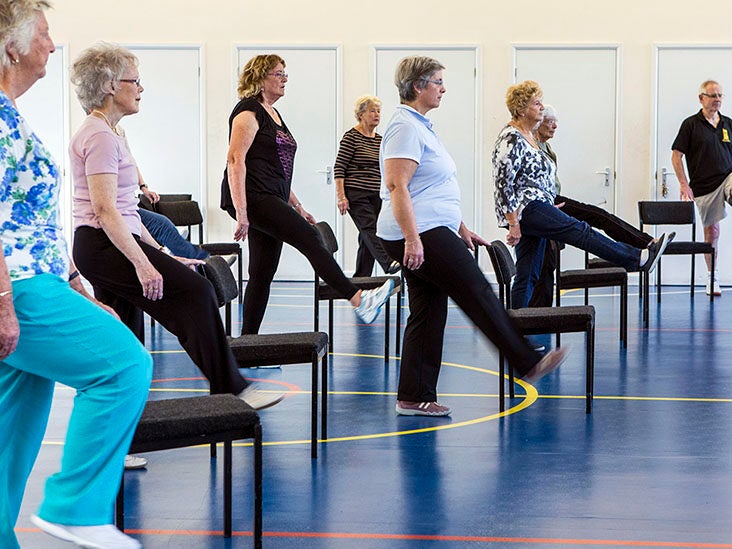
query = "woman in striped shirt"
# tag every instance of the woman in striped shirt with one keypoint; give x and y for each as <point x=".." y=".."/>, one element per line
<point x="358" y="180"/>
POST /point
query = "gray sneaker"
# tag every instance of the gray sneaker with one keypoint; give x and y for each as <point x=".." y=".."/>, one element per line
<point x="135" y="462"/>
<point x="406" y="408"/>
<point x="373" y="300"/>
<point x="258" y="399"/>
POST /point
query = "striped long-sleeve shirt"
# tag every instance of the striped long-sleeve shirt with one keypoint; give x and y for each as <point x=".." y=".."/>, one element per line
<point x="358" y="161"/>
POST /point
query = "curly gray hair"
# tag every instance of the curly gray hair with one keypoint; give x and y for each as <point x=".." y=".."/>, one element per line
<point x="95" y="71"/>
<point x="414" y="72"/>
<point x="17" y="21"/>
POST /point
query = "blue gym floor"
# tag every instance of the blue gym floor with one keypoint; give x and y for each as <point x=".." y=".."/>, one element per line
<point x="650" y="467"/>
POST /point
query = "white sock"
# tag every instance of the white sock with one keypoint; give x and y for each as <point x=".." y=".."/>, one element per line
<point x="644" y="256"/>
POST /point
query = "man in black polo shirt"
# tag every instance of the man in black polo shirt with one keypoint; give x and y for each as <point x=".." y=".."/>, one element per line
<point x="705" y="141"/>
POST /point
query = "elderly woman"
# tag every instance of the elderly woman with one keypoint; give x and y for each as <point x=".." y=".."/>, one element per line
<point x="51" y="329"/>
<point x="112" y="248"/>
<point x="358" y="179"/>
<point x="524" y="197"/>
<point x="256" y="191"/>
<point x="421" y="227"/>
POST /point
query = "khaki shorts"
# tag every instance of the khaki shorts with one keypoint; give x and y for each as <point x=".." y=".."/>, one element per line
<point x="712" y="206"/>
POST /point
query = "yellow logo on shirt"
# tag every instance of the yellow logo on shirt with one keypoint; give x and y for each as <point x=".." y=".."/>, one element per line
<point x="725" y="135"/>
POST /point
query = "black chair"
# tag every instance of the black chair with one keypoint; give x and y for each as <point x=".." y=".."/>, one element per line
<point x="193" y="421"/>
<point x="542" y="320"/>
<point x="602" y="277"/>
<point x="323" y="292"/>
<point x="273" y="349"/>
<point x="672" y="213"/>
<point x="186" y="213"/>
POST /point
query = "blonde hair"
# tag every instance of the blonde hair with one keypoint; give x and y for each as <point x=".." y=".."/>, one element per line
<point x="17" y="22"/>
<point x="413" y="72"/>
<point x="96" y="69"/>
<point x="363" y="103"/>
<point x="520" y="95"/>
<point x="254" y="72"/>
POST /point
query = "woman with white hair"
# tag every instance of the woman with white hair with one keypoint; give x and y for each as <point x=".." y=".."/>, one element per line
<point x="421" y="227"/>
<point x="113" y="249"/>
<point x="358" y="180"/>
<point x="51" y="329"/>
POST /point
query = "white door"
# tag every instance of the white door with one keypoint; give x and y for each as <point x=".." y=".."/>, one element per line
<point x="311" y="109"/>
<point x="45" y="107"/>
<point x="581" y="83"/>
<point x="679" y="72"/>
<point x="456" y="121"/>
<point x="166" y="136"/>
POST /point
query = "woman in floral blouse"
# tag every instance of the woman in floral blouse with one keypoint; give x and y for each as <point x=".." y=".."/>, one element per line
<point x="524" y="197"/>
<point x="51" y="329"/>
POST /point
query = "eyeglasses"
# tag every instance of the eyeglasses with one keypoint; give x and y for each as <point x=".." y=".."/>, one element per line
<point x="135" y="81"/>
<point x="278" y="74"/>
<point x="439" y="82"/>
<point x="713" y="95"/>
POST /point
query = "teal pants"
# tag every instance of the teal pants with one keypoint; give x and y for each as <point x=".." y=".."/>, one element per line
<point x="66" y="338"/>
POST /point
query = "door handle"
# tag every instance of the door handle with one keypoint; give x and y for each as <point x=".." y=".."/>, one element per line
<point x="328" y="171"/>
<point x="606" y="173"/>
<point x="664" y="181"/>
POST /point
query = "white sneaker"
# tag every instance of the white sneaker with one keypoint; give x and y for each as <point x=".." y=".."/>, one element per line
<point x="135" y="462"/>
<point x="713" y="287"/>
<point x="258" y="399"/>
<point x="373" y="300"/>
<point x="105" y="536"/>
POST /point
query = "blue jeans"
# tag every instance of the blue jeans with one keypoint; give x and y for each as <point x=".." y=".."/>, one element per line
<point x="164" y="232"/>
<point x="542" y="220"/>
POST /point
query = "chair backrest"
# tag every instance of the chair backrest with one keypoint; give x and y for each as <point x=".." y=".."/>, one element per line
<point x="327" y="236"/>
<point x="505" y="269"/>
<point x="666" y="213"/>
<point x="218" y="272"/>
<point x="175" y="197"/>
<point x="184" y="213"/>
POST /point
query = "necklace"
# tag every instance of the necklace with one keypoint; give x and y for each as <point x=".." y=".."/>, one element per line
<point x="104" y="117"/>
<point x="527" y="135"/>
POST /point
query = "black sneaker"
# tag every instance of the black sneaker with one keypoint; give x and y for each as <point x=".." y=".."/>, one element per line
<point x="655" y="251"/>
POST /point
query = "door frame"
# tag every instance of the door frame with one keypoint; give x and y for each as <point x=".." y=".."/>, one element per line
<point x="477" y="125"/>
<point x="618" y="49"/>
<point x="657" y="49"/>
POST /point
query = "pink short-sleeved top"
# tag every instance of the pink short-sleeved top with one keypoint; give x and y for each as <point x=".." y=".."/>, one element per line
<point x="96" y="149"/>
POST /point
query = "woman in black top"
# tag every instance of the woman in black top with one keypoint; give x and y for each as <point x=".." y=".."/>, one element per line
<point x="358" y="180"/>
<point x="256" y="193"/>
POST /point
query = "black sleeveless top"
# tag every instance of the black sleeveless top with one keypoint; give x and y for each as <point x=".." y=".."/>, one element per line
<point x="270" y="158"/>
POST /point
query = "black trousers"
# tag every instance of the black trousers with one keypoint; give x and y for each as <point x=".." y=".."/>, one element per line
<point x="612" y="225"/>
<point x="273" y="221"/>
<point x="188" y="308"/>
<point x="364" y="207"/>
<point x="449" y="270"/>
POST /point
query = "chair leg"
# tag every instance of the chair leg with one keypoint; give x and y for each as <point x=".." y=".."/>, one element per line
<point x="330" y="324"/>
<point x="227" y="489"/>
<point x="590" y="345"/>
<point x="323" y="396"/>
<point x="314" y="412"/>
<point x="658" y="282"/>
<point x="624" y="314"/>
<point x="119" y="506"/>
<point x="711" y="294"/>
<point x="501" y="382"/>
<point x="511" y="383"/>
<point x="258" y="487"/>
<point x="387" y="314"/>
<point x="646" y="297"/>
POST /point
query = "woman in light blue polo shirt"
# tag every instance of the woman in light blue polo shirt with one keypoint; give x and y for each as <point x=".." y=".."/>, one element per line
<point x="421" y="227"/>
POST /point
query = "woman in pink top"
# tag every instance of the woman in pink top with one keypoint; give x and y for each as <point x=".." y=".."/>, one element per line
<point x="112" y="248"/>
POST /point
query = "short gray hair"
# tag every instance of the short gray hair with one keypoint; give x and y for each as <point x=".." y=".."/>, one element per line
<point x="363" y="103"/>
<point x="17" y="21"/>
<point x="550" y="112"/>
<point x="703" y="87"/>
<point x="413" y="72"/>
<point x="95" y="71"/>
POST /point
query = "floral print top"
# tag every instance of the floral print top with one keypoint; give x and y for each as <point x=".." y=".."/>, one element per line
<point x="522" y="174"/>
<point x="31" y="236"/>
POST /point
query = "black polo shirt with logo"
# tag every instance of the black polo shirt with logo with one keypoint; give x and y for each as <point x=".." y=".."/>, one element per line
<point x="708" y="151"/>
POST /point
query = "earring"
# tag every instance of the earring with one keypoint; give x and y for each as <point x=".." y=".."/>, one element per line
<point x="14" y="61"/>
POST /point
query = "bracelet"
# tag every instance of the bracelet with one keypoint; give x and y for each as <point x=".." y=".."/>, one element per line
<point x="6" y="292"/>
<point x="73" y="275"/>
<point x="296" y="206"/>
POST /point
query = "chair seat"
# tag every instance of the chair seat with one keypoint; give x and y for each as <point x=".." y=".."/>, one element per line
<point x="270" y="349"/>
<point x="326" y="292"/>
<point x="541" y="320"/>
<point x="181" y="422"/>
<point x="688" y="247"/>
<point x="593" y="278"/>
<point x="222" y="248"/>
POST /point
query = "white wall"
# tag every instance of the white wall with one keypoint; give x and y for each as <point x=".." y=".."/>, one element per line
<point x="494" y="26"/>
